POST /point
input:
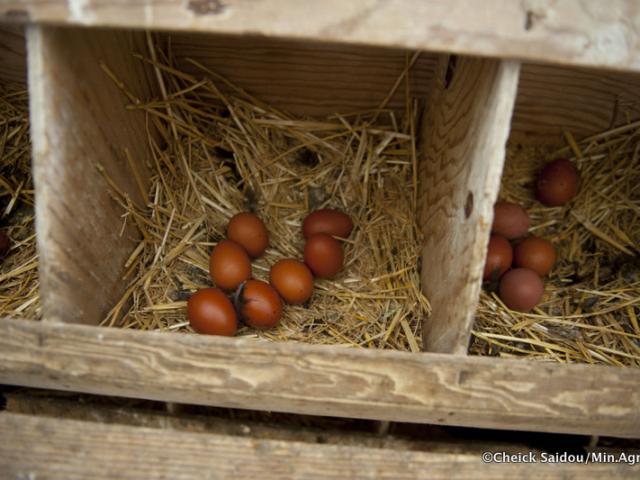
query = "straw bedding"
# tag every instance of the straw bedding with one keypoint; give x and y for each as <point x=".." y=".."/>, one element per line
<point x="19" y="269"/>
<point x="592" y="297"/>
<point x="224" y="153"/>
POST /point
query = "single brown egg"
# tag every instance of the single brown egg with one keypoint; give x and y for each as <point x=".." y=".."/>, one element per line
<point x="292" y="279"/>
<point x="499" y="258"/>
<point x="521" y="289"/>
<point x="323" y="255"/>
<point x="536" y="254"/>
<point x="510" y="220"/>
<point x="260" y="305"/>
<point x="229" y="265"/>
<point x="557" y="182"/>
<point x="248" y="230"/>
<point x="326" y="220"/>
<point x="5" y="244"/>
<point x="212" y="313"/>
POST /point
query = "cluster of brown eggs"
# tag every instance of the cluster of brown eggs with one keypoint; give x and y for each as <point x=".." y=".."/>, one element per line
<point x="258" y="303"/>
<point x="521" y="287"/>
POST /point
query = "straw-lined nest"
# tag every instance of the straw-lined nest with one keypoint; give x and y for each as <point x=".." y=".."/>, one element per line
<point x="227" y="153"/>
<point x="19" y="294"/>
<point x="592" y="297"/>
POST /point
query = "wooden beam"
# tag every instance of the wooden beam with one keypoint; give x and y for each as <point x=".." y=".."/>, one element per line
<point x="35" y="447"/>
<point x="322" y="380"/>
<point x="577" y="32"/>
<point x="464" y="137"/>
<point x="78" y="122"/>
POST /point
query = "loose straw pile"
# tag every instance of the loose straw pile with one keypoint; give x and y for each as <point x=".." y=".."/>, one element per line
<point x="592" y="298"/>
<point x="19" y="296"/>
<point x="218" y="154"/>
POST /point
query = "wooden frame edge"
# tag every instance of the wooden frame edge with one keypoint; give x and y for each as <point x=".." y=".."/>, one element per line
<point x="571" y="32"/>
<point x="320" y="380"/>
<point x="41" y="447"/>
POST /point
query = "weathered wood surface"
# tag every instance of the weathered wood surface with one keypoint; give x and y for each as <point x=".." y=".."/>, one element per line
<point x="262" y="425"/>
<point x="13" y="63"/>
<point x="79" y="121"/>
<point x="321" y="380"/>
<point x="463" y="138"/>
<point x="580" y="32"/>
<point x="41" y="447"/>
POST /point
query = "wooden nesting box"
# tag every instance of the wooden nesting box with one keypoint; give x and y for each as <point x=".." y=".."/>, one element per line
<point x="566" y="69"/>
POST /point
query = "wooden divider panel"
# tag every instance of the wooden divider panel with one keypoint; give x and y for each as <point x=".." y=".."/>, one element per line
<point x="79" y="121"/>
<point x="464" y="134"/>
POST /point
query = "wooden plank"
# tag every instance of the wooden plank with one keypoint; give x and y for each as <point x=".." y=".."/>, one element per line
<point x="554" y="99"/>
<point x="13" y="57"/>
<point x="322" y="380"/>
<point x="578" y="32"/>
<point x="464" y="136"/>
<point x="269" y="425"/>
<point x="39" y="447"/>
<point x="306" y="78"/>
<point x="78" y="121"/>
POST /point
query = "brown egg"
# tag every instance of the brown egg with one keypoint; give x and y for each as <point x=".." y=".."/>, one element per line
<point x="521" y="289"/>
<point x="211" y="312"/>
<point x="5" y="243"/>
<point x="260" y="304"/>
<point x="229" y="265"/>
<point x="557" y="183"/>
<point x="248" y="230"/>
<point x="329" y="221"/>
<point x="510" y="220"/>
<point x="323" y="255"/>
<point x="536" y="254"/>
<point x="293" y="280"/>
<point x="499" y="258"/>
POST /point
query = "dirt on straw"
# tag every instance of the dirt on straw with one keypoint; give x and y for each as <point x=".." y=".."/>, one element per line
<point x="219" y="151"/>
<point x="19" y="295"/>
<point x="590" y="309"/>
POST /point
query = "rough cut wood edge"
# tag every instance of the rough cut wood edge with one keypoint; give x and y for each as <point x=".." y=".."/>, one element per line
<point x="321" y="380"/>
<point x="78" y="121"/>
<point x="13" y="65"/>
<point x="578" y="32"/>
<point x="464" y="138"/>
<point x="41" y="447"/>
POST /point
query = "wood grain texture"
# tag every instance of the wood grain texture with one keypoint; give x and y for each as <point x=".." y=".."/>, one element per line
<point x="41" y="447"/>
<point x="322" y="380"/>
<point x="464" y="136"/>
<point x="13" y="56"/>
<point x="306" y="78"/>
<point x="78" y="121"/>
<point x="580" y="32"/>
<point x="553" y="99"/>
